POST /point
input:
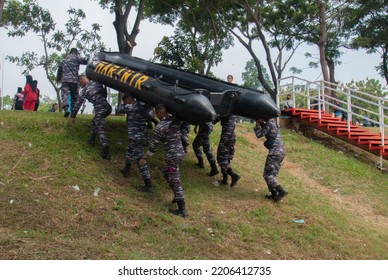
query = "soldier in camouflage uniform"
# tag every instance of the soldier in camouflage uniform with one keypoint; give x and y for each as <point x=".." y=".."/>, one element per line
<point x="225" y="151"/>
<point x="68" y="75"/>
<point x="138" y="113"/>
<point x="185" y="130"/>
<point x="95" y="93"/>
<point x="168" y="131"/>
<point x="276" y="154"/>
<point x="202" y="139"/>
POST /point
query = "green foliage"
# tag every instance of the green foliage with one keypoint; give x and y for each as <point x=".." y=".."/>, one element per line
<point x="198" y="38"/>
<point x="250" y="76"/>
<point x="372" y="87"/>
<point x="7" y="101"/>
<point x="277" y="27"/>
<point x="29" y="17"/>
<point x="126" y="39"/>
<point x="368" y="21"/>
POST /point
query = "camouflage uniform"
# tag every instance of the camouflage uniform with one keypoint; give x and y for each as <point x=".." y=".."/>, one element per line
<point x="202" y="139"/>
<point x="138" y="113"/>
<point x="185" y="130"/>
<point x="68" y="75"/>
<point x="225" y="151"/>
<point x="276" y="153"/>
<point x="95" y="94"/>
<point x="169" y="133"/>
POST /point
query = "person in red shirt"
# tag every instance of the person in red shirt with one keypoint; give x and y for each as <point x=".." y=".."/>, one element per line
<point x="30" y="94"/>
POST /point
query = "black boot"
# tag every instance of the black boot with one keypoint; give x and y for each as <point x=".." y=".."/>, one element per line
<point x="105" y="153"/>
<point x="181" y="211"/>
<point x="224" y="180"/>
<point x="214" y="169"/>
<point x="66" y="110"/>
<point x="92" y="138"/>
<point x="281" y="194"/>
<point x="200" y="163"/>
<point x="235" y="177"/>
<point x="125" y="170"/>
<point x="273" y="195"/>
<point x="147" y="186"/>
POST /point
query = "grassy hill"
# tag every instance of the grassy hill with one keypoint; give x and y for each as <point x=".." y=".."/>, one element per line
<point x="342" y="199"/>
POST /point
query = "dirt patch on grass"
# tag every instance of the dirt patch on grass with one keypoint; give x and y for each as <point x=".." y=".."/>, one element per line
<point x="352" y="204"/>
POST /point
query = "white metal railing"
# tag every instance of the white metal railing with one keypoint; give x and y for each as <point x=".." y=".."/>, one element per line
<point x="348" y="101"/>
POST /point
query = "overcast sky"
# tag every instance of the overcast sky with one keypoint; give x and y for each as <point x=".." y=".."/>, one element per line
<point x="355" y="65"/>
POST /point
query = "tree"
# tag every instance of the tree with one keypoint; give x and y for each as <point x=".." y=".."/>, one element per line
<point x="329" y="37"/>
<point x="122" y="8"/>
<point x="22" y="18"/>
<point x="1" y="8"/>
<point x="322" y="41"/>
<point x="324" y="28"/>
<point x="249" y="76"/>
<point x="7" y="102"/>
<point x="198" y="38"/>
<point x="368" y="21"/>
<point x="270" y="26"/>
<point x="46" y="103"/>
<point x="371" y="86"/>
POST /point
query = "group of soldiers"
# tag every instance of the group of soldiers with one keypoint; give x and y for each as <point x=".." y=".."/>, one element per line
<point x="170" y="131"/>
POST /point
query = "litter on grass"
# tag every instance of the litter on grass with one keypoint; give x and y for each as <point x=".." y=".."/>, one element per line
<point x="96" y="190"/>
<point x="216" y="184"/>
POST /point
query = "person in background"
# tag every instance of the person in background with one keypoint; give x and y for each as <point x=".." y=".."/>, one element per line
<point x="229" y="78"/>
<point x="37" y="91"/>
<point x="67" y="75"/>
<point x="289" y="103"/>
<point x="53" y="108"/>
<point x="366" y="121"/>
<point x="29" y="94"/>
<point x="18" y="99"/>
<point x="275" y="156"/>
<point x="168" y="131"/>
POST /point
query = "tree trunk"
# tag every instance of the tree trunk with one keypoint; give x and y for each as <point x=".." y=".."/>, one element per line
<point x="126" y="41"/>
<point x="385" y="63"/>
<point x="322" y="47"/>
<point x="58" y="92"/>
<point x="331" y="66"/>
<point x="1" y="8"/>
<point x="322" y="40"/>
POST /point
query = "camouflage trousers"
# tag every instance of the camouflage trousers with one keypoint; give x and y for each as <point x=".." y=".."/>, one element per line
<point x="225" y="153"/>
<point x="135" y="152"/>
<point x="98" y="124"/>
<point x="69" y="95"/>
<point x="172" y="175"/>
<point x="271" y="170"/>
<point x="202" y="140"/>
<point x="185" y="130"/>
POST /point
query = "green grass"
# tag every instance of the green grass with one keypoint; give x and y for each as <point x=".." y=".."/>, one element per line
<point x="341" y="197"/>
